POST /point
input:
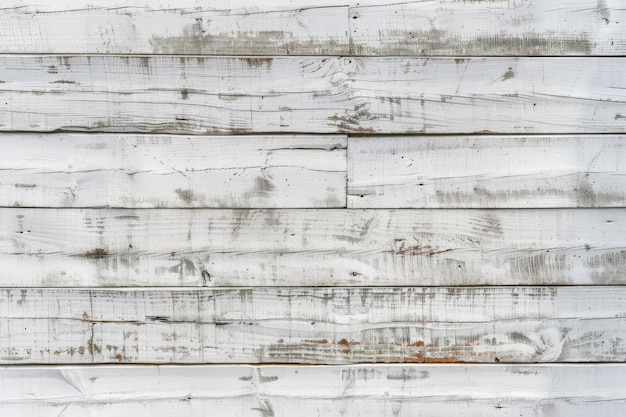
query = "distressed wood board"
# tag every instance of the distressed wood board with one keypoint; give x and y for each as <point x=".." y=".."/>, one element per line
<point x="314" y="325"/>
<point x="192" y="27"/>
<point x="494" y="27"/>
<point x="487" y="172"/>
<point x="441" y="27"/>
<point x="209" y="95"/>
<point x="147" y="171"/>
<point x="238" y="391"/>
<point x="218" y="247"/>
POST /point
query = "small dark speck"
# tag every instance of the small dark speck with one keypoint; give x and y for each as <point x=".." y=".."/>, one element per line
<point x="497" y="360"/>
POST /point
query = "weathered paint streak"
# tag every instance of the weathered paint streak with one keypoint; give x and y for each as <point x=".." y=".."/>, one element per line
<point x="314" y="325"/>
<point x="493" y="28"/>
<point x="488" y="171"/>
<point x="312" y="95"/>
<point x="427" y="390"/>
<point x="147" y="171"/>
<point x="219" y="247"/>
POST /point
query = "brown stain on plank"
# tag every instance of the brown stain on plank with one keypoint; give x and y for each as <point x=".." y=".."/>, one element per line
<point x="258" y="62"/>
<point x="97" y="253"/>
<point x="416" y="250"/>
<point x="442" y="360"/>
<point x="319" y="341"/>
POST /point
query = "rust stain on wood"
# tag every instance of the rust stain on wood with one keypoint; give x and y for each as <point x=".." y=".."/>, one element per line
<point x="319" y="341"/>
<point x="442" y="360"/>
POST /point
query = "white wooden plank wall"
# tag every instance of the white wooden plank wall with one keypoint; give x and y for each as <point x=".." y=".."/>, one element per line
<point x="428" y="194"/>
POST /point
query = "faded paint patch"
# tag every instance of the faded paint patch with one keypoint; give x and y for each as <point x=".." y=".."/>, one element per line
<point x="258" y="62"/>
<point x="185" y="195"/>
<point x="440" y="42"/>
<point x="508" y="75"/>
<point x="350" y="121"/>
<point x="263" y="185"/>
<point x="407" y="375"/>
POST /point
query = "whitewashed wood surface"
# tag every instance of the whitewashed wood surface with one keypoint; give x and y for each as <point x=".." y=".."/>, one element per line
<point x="487" y="172"/>
<point x="189" y="27"/>
<point x="80" y="170"/>
<point x="312" y="95"/>
<point x="366" y="390"/>
<point x="159" y="247"/>
<point x="314" y="325"/>
<point x="438" y="27"/>
<point x="494" y="27"/>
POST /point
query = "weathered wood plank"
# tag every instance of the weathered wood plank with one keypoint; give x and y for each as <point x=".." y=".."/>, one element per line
<point x="78" y="170"/>
<point x="124" y="247"/>
<point x="441" y="27"/>
<point x="398" y="390"/>
<point x="487" y="172"/>
<point x="495" y="27"/>
<point x="195" y="27"/>
<point x="314" y="325"/>
<point x="308" y="94"/>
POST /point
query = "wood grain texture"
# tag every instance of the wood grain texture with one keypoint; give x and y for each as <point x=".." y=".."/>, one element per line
<point x="315" y="95"/>
<point x="241" y="391"/>
<point x="99" y="247"/>
<point x="313" y="325"/>
<point x="190" y="27"/>
<point x="495" y="27"/>
<point x="439" y="27"/>
<point x="79" y="170"/>
<point x="487" y="172"/>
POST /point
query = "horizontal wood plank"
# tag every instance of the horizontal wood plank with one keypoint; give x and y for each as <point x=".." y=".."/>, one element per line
<point x="203" y="95"/>
<point x="427" y="28"/>
<point x="238" y="391"/>
<point x="159" y="247"/>
<point x="494" y="27"/>
<point x="314" y="325"/>
<point x="80" y="170"/>
<point x="190" y="27"/>
<point x="487" y="172"/>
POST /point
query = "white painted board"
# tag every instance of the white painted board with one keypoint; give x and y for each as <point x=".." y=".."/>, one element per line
<point x="159" y="247"/>
<point x="203" y="95"/>
<point x="241" y="391"/>
<point x="494" y="27"/>
<point x="174" y="28"/>
<point x="487" y="172"/>
<point x="435" y="28"/>
<point x="314" y="325"/>
<point x="148" y="171"/>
